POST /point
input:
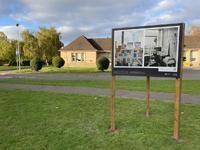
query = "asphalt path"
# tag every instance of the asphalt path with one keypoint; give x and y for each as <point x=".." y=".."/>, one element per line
<point x="189" y="73"/>
<point x="104" y="92"/>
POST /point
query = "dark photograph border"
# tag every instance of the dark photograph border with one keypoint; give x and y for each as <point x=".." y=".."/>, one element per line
<point x="148" y="50"/>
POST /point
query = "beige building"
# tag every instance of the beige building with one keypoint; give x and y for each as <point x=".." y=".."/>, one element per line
<point x="191" y="53"/>
<point x="83" y="52"/>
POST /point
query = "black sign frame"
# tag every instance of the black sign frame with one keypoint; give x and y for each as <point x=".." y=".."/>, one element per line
<point x="166" y="35"/>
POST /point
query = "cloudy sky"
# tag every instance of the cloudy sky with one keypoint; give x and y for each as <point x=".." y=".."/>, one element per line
<point x="93" y="18"/>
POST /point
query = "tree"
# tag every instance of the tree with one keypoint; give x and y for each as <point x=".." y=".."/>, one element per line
<point x="3" y="39"/>
<point x="194" y="30"/>
<point x="49" y="42"/>
<point x="31" y="46"/>
<point x="7" y="49"/>
<point x="43" y="45"/>
<point x="15" y="48"/>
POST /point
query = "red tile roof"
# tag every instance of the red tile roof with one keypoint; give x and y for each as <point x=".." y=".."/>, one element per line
<point x="192" y="42"/>
<point x="82" y="43"/>
<point x="102" y="43"/>
<point x="99" y="44"/>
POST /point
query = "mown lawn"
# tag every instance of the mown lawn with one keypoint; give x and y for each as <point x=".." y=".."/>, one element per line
<point x="165" y="86"/>
<point x="12" y="67"/>
<point x="50" y="120"/>
<point x="65" y="70"/>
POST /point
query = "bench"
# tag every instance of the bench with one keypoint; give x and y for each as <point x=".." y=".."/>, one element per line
<point x="6" y="65"/>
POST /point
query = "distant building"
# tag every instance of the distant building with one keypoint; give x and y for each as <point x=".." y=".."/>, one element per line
<point x="83" y="52"/>
<point x="191" y="53"/>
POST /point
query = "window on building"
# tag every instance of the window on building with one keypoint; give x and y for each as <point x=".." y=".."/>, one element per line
<point x="184" y="56"/>
<point x="109" y="57"/>
<point x="78" y="57"/>
<point x="83" y="56"/>
<point x="102" y="54"/>
<point x="73" y="57"/>
<point x="193" y="56"/>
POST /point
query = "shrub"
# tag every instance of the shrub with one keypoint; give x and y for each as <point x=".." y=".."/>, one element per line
<point x="36" y="64"/>
<point x="58" y="62"/>
<point x="26" y="63"/>
<point x="102" y="63"/>
<point x="12" y="63"/>
<point x="2" y="62"/>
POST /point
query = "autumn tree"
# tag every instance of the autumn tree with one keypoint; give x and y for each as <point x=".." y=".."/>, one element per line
<point x="49" y="42"/>
<point x="3" y="39"/>
<point x="43" y="45"/>
<point x="194" y="30"/>
<point x="7" y="49"/>
<point x="15" y="48"/>
<point x="31" y="46"/>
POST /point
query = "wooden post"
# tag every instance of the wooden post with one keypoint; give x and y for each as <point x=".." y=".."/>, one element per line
<point x="147" y="96"/>
<point x="177" y="110"/>
<point x="177" y="107"/>
<point x="112" y="128"/>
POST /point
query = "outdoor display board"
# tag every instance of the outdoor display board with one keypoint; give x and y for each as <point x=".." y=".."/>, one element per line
<point x="147" y="50"/>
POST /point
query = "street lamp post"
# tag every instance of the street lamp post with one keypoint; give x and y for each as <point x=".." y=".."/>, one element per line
<point x="18" y="48"/>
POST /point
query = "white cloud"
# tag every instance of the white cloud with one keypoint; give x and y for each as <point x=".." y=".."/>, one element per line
<point x="85" y="29"/>
<point x="196" y="22"/>
<point x="96" y="18"/>
<point x="11" y="31"/>
<point x="65" y="29"/>
<point x="164" y="5"/>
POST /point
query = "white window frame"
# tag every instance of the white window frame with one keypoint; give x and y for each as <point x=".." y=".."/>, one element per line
<point x="109" y="57"/>
<point x="192" y="56"/>
<point x="83" y="57"/>
<point x="78" y="57"/>
<point x="184" y="55"/>
<point x="102" y="54"/>
<point x="73" y="57"/>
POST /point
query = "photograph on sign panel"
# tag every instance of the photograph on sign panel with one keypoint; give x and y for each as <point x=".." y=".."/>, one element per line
<point x="148" y="50"/>
<point x="128" y="48"/>
<point x="161" y="48"/>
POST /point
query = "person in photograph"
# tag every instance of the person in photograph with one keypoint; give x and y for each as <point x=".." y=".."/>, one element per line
<point x="154" y="59"/>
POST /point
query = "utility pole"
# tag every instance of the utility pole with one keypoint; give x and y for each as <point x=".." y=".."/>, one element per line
<point x="17" y="57"/>
<point x="18" y="48"/>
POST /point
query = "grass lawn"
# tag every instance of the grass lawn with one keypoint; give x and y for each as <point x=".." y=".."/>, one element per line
<point x="165" y="86"/>
<point x="12" y="67"/>
<point x="30" y="120"/>
<point x="64" y="70"/>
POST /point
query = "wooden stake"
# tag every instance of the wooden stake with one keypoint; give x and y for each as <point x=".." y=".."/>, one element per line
<point x="147" y="96"/>
<point x="112" y="103"/>
<point x="177" y="109"/>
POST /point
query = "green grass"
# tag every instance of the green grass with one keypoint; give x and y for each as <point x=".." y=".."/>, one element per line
<point x="64" y="70"/>
<point x="165" y="86"/>
<point x="12" y="67"/>
<point x="30" y="120"/>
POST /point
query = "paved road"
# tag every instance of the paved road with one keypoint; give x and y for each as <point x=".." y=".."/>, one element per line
<point x="192" y="73"/>
<point x="107" y="92"/>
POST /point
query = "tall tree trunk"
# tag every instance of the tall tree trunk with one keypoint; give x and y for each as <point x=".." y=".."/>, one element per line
<point x="47" y="62"/>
